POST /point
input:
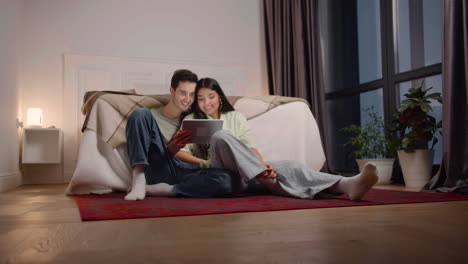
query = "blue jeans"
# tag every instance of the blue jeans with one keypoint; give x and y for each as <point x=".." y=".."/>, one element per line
<point x="146" y="146"/>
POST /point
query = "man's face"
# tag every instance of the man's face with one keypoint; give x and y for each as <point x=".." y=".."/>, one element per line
<point x="183" y="96"/>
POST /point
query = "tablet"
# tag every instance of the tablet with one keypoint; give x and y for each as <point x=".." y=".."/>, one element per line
<point x="202" y="129"/>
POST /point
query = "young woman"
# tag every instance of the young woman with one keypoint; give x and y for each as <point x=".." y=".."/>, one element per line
<point x="233" y="148"/>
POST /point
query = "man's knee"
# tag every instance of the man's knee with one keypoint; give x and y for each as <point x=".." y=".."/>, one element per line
<point x="138" y="119"/>
<point x="139" y="114"/>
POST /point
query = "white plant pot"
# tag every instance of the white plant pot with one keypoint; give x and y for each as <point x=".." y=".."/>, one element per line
<point x="416" y="166"/>
<point x="384" y="168"/>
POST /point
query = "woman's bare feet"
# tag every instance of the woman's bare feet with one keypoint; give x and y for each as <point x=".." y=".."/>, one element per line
<point x="355" y="187"/>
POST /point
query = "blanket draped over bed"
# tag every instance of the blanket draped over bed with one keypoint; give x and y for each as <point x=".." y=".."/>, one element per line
<point x="107" y="111"/>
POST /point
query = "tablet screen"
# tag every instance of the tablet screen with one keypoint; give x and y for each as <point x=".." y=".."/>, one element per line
<point x="202" y="129"/>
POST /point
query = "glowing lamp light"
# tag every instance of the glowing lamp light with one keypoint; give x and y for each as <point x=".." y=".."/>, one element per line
<point x="34" y="117"/>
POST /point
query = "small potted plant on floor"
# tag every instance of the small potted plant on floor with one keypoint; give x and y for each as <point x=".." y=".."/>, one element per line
<point x="416" y="135"/>
<point x="371" y="145"/>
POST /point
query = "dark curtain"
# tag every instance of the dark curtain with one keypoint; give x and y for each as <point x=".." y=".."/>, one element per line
<point x="294" y="56"/>
<point x="453" y="174"/>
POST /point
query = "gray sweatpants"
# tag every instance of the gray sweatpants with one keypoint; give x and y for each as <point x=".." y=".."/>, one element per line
<point x="294" y="179"/>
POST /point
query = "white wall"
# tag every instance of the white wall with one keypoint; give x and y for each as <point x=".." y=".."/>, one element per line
<point x="225" y="32"/>
<point x="10" y="175"/>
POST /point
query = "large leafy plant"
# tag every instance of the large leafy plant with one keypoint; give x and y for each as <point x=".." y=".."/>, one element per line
<point x="368" y="139"/>
<point x="414" y="127"/>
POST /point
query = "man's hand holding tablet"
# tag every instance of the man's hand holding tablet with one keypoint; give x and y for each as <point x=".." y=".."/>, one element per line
<point x="179" y="140"/>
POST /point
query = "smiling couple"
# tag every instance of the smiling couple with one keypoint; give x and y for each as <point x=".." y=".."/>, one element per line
<point x="164" y="164"/>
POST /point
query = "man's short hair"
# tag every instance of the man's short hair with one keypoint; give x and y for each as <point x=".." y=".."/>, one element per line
<point x="183" y="75"/>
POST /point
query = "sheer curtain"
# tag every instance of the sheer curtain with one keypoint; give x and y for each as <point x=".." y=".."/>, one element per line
<point x="453" y="174"/>
<point x="294" y="56"/>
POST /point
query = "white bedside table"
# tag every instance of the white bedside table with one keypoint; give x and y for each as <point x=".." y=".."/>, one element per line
<point x="42" y="145"/>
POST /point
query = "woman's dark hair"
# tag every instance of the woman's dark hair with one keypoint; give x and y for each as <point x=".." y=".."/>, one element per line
<point x="211" y="84"/>
<point x="224" y="107"/>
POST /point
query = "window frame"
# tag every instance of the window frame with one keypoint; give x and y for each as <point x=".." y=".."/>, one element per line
<point x="390" y="78"/>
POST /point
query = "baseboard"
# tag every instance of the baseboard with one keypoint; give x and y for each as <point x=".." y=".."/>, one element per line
<point x="9" y="180"/>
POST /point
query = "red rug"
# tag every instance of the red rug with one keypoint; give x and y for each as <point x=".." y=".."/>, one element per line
<point x="113" y="206"/>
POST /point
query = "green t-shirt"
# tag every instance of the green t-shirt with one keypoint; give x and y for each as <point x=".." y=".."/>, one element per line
<point x="167" y="125"/>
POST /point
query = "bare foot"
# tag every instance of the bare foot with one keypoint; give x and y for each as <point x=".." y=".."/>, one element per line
<point x="363" y="182"/>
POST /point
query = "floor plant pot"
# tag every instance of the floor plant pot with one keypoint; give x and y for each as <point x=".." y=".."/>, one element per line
<point x="416" y="166"/>
<point x="384" y="168"/>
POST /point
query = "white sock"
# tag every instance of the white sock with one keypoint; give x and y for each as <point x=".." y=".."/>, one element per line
<point x="160" y="189"/>
<point x="355" y="187"/>
<point x="137" y="191"/>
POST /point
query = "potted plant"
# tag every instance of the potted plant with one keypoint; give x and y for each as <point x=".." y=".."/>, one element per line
<point x="416" y="135"/>
<point x="371" y="145"/>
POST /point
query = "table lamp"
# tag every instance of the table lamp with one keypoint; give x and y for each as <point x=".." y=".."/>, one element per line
<point x="34" y="117"/>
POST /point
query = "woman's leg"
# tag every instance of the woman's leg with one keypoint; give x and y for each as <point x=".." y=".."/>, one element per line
<point x="297" y="180"/>
<point x="230" y="153"/>
<point x="294" y="179"/>
<point x="355" y="187"/>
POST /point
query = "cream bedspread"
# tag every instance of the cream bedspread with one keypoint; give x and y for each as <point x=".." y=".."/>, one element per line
<point x="107" y="112"/>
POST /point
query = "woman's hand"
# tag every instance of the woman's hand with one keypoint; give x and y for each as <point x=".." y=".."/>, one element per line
<point x="179" y="140"/>
<point x="269" y="172"/>
<point x="187" y="157"/>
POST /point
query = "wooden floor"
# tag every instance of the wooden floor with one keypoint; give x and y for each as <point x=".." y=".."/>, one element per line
<point x="39" y="224"/>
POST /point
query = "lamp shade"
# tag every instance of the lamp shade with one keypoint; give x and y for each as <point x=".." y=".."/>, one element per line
<point x="34" y="117"/>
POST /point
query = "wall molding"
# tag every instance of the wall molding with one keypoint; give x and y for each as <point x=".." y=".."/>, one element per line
<point x="10" y="180"/>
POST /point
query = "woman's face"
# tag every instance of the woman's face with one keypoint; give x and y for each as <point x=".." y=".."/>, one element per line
<point x="208" y="100"/>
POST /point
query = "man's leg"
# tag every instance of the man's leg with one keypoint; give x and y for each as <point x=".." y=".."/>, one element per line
<point x="138" y="133"/>
<point x="160" y="189"/>
<point x="137" y="190"/>
<point x="193" y="181"/>
<point x="204" y="183"/>
<point x="145" y="146"/>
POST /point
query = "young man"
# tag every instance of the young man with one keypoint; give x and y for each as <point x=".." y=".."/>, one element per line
<point x="152" y="140"/>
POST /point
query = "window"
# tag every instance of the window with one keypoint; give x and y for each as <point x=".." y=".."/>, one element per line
<point x="369" y="42"/>
<point x="374" y="51"/>
<point x="418" y="32"/>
